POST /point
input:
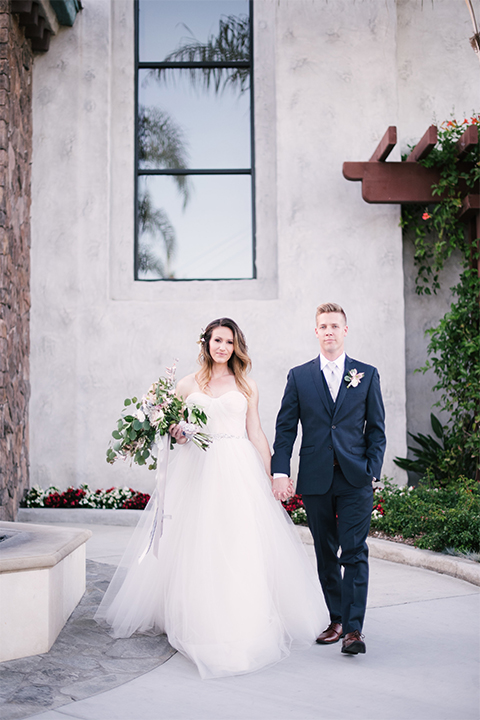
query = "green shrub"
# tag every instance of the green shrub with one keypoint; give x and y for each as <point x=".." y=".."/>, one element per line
<point x="436" y="518"/>
<point x="442" y="457"/>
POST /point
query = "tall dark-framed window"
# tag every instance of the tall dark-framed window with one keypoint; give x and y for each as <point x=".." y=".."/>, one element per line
<point x="194" y="140"/>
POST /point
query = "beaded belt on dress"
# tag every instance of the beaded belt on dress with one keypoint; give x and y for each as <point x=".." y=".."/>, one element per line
<point x="225" y="436"/>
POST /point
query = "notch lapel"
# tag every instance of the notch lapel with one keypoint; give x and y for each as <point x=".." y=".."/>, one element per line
<point x="320" y="385"/>
<point x="343" y="385"/>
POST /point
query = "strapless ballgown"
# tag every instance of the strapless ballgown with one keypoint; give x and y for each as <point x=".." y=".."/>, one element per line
<point x="232" y="586"/>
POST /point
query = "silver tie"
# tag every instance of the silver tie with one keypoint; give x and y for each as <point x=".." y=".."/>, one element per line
<point x="333" y="380"/>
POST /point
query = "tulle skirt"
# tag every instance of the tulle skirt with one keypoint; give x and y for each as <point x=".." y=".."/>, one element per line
<point x="231" y="585"/>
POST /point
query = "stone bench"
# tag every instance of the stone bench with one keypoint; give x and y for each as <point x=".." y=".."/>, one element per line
<point x="42" y="579"/>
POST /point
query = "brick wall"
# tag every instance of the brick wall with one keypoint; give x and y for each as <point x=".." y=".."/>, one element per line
<point x="15" y="160"/>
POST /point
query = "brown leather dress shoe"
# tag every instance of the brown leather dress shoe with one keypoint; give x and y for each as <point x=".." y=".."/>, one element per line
<point x="331" y="635"/>
<point x="352" y="643"/>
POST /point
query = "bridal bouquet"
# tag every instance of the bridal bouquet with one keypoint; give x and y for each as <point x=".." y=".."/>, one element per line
<point x="143" y="422"/>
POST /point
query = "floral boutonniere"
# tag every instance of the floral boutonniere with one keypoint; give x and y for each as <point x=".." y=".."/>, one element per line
<point x="353" y="378"/>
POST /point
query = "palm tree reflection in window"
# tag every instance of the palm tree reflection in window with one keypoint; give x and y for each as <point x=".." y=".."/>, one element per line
<point x="232" y="44"/>
<point x="162" y="143"/>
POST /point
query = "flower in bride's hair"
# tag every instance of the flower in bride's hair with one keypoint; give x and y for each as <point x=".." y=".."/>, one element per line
<point x="201" y="337"/>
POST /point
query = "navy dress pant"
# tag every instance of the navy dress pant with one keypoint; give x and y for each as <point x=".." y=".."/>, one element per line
<point x="341" y="518"/>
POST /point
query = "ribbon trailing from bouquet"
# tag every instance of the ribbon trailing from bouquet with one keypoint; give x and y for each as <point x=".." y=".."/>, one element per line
<point x="163" y="452"/>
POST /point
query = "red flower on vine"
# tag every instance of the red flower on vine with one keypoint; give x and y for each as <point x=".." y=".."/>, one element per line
<point x="426" y="216"/>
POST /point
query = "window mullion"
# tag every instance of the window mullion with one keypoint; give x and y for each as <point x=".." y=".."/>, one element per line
<point x="196" y="171"/>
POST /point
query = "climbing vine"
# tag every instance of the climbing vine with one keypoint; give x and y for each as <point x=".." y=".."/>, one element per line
<point x="438" y="229"/>
<point x="454" y="345"/>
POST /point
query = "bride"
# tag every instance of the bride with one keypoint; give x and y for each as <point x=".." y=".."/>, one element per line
<point x="231" y="584"/>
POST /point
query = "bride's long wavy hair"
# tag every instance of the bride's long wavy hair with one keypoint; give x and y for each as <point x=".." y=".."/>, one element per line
<point x="239" y="362"/>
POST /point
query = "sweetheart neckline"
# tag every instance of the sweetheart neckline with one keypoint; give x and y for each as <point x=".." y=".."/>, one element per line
<point x="213" y="397"/>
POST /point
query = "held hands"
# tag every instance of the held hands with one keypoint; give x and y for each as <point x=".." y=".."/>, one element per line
<point x="178" y="433"/>
<point x="282" y="488"/>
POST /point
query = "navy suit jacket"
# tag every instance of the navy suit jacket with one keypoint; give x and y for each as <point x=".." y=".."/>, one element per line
<point x="352" y="428"/>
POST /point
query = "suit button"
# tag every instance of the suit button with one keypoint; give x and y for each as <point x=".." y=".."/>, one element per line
<point x="330" y="447"/>
<point x="334" y="427"/>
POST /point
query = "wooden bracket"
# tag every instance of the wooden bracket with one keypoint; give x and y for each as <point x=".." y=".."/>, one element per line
<point x="405" y="182"/>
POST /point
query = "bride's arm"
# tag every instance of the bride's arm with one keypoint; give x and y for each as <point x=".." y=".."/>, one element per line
<point x="254" y="428"/>
<point x="184" y="387"/>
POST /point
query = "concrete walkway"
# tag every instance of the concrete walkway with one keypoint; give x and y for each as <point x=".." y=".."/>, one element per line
<point x="422" y="662"/>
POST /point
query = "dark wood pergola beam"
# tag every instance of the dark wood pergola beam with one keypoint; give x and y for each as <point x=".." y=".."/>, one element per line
<point x="409" y="182"/>
<point x="405" y="182"/>
<point x="470" y="207"/>
<point x="425" y="146"/>
<point x="467" y="141"/>
<point x="393" y="182"/>
<point x="397" y="182"/>
<point x="386" y="145"/>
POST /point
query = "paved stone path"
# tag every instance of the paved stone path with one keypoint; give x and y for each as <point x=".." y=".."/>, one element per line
<point x="83" y="661"/>
<point x="422" y="662"/>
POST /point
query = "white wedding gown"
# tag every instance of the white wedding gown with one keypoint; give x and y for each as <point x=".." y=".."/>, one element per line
<point x="232" y="586"/>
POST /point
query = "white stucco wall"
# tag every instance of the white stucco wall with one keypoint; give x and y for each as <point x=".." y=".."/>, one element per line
<point x="328" y="82"/>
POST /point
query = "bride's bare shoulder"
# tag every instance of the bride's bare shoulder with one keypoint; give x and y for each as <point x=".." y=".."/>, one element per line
<point x="187" y="385"/>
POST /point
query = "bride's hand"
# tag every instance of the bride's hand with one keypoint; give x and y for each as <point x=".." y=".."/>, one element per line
<point x="282" y="488"/>
<point x="177" y="433"/>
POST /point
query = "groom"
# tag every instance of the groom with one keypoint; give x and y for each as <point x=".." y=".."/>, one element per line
<point x="339" y="404"/>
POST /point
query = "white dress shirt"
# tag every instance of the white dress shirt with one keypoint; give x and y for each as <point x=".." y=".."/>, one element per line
<point x="339" y="371"/>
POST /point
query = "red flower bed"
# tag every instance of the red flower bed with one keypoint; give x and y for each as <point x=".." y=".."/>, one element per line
<point x="294" y="503"/>
<point x="83" y="497"/>
<point x="137" y="502"/>
<point x="69" y="499"/>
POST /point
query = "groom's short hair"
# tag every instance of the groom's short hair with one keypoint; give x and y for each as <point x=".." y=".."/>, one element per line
<point x="330" y="308"/>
